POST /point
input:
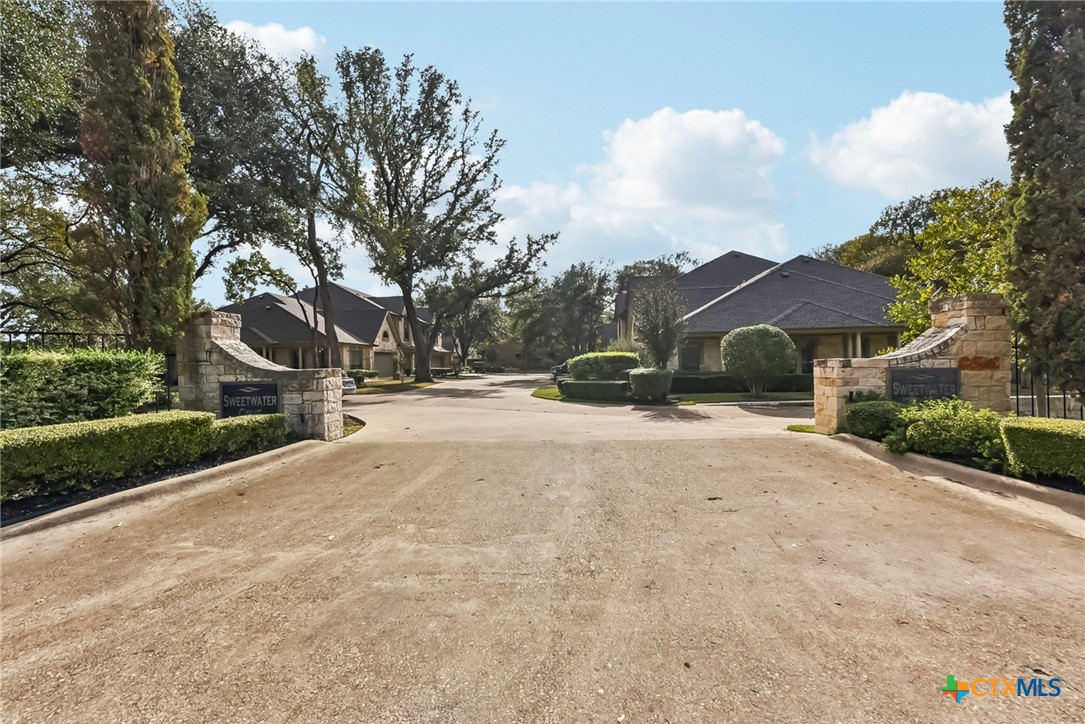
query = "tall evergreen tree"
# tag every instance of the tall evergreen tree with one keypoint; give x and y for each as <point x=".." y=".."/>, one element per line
<point x="1047" y="200"/>
<point x="135" y="246"/>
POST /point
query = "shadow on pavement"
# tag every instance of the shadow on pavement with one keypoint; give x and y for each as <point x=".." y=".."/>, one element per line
<point x="669" y="413"/>
<point x="803" y="411"/>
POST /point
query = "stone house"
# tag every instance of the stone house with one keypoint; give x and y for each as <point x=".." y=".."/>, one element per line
<point x="827" y="309"/>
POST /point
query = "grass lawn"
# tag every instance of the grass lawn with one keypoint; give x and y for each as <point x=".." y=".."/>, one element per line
<point x="801" y="428"/>
<point x="743" y="397"/>
<point x="547" y="393"/>
<point x="376" y="387"/>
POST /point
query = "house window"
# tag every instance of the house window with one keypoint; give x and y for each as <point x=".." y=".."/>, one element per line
<point x="691" y="357"/>
<point x="384" y="336"/>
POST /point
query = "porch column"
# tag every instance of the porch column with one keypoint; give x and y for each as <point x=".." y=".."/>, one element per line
<point x="858" y="344"/>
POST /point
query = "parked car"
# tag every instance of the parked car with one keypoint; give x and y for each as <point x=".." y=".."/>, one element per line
<point x="349" y="386"/>
<point x="559" y="371"/>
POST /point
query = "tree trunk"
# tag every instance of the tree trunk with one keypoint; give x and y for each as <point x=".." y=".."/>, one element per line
<point x="423" y="344"/>
<point x="331" y="339"/>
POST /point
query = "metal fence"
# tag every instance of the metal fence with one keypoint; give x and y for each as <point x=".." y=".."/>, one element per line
<point x="47" y="339"/>
<point x="1034" y="395"/>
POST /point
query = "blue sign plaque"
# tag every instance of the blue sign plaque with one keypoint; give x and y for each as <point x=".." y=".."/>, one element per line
<point x="907" y="384"/>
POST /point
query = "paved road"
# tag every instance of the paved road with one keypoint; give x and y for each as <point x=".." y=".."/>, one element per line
<point x="477" y="555"/>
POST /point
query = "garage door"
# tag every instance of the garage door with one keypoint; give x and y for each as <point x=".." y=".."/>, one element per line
<point x="385" y="363"/>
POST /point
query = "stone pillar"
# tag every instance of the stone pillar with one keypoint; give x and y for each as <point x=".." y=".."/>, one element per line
<point x="212" y="352"/>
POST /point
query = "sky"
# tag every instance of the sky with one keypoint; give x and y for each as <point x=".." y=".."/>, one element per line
<point x="641" y="129"/>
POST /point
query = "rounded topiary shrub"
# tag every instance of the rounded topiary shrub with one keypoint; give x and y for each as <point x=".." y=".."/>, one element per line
<point x="757" y="355"/>
<point x="601" y="365"/>
<point x="650" y="384"/>
<point x="874" y="419"/>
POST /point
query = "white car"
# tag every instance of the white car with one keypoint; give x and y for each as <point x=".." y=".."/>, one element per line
<point x="349" y="386"/>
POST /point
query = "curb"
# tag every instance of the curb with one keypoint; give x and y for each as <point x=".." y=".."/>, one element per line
<point x="921" y="465"/>
<point x="155" y="490"/>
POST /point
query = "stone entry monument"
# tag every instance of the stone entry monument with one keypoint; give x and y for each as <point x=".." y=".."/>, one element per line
<point x="966" y="353"/>
<point x="213" y="365"/>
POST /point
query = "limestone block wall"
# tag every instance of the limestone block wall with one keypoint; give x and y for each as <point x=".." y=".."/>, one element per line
<point x="969" y="332"/>
<point x="212" y="352"/>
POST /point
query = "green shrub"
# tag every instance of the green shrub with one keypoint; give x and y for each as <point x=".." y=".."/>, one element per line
<point x="951" y="429"/>
<point x="757" y="354"/>
<point x="49" y="387"/>
<point x="249" y="433"/>
<point x="867" y="396"/>
<point x="650" y="384"/>
<point x="873" y="420"/>
<point x="55" y="458"/>
<point x="441" y="371"/>
<point x="601" y="365"/>
<point x="624" y="344"/>
<point x="599" y="390"/>
<point x="360" y="376"/>
<point x="1043" y="446"/>
<point x="794" y="382"/>
<point x="699" y="383"/>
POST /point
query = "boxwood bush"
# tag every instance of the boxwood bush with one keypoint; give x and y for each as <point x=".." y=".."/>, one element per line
<point x="757" y="355"/>
<point x="650" y="384"/>
<point x="1043" y="446"/>
<point x="44" y="387"/>
<point x="601" y="365"/>
<point x="58" y="458"/>
<point x="249" y="433"/>
<point x="598" y="390"/>
<point x="873" y="420"/>
<point x="952" y="429"/>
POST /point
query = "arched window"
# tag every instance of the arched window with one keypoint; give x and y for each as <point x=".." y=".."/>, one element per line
<point x="384" y="336"/>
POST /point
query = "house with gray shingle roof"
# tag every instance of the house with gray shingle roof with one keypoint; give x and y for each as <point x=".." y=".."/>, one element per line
<point x="369" y="329"/>
<point x="828" y="310"/>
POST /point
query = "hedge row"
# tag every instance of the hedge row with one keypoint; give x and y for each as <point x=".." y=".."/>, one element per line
<point x="57" y="458"/>
<point x="601" y="365"/>
<point x="598" y="390"/>
<point x="44" y="387"/>
<point x="694" y="383"/>
<point x="650" y="384"/>
<point x="360" y="376"/>
<point x="1043" y="446"/>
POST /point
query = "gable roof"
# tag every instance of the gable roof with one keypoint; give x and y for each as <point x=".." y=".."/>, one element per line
<point x="345" y="298"/>
<point x="270" y="318"/>
<point x="803" y="293"/>
<point x="714" y="278"/>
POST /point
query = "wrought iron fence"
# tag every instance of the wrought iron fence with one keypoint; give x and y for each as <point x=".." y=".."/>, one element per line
<point x="1034" y="395"/>
<point x="47" y="339"/>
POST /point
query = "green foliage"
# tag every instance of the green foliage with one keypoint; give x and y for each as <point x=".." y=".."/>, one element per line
<point x="57" y="458"/>
<point x="40" y="59"/>
<point x="757" y="354"/>
<point x="135" y="243"/>
<point x="658" y="314"/>
<point x="951" y="429"/>
<point x="867" y="396"/>
<point x="1047" y="199"/>
<point x="360" y="375"/>
<point x="684" y="383"/>
<point x="873" y="253"/>
<point x="441" y="371"/>
<point x="577" y="300"/>
<point x="599" y="390"/>
<point x="801" y="428"/>
<point x="248" y="433"/>
<point x="601" y="365"/>
<point x="961" y="250"/>
<point x="1044" y="446"/>
<point x="650" y="384"/>
<point x="624" y="344"/>
<point x="873" y="420"/>
<point x="667" y="266"/>
<point x="45" y="388"/>
<point x="478" y="323"/>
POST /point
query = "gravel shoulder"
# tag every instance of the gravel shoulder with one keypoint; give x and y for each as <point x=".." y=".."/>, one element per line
<point x="475" y="554"/>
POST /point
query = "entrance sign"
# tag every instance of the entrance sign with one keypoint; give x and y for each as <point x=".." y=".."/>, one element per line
<point x="249" y="398"/>
<point x="930" y="383"/>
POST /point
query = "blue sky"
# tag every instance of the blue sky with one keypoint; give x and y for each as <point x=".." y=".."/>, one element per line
<point x="641" y="129"/>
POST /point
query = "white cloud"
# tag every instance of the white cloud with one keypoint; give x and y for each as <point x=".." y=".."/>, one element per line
<point x="918" y="143"/>
<point x="279" y="40"/>
<point x="697" y="181"/>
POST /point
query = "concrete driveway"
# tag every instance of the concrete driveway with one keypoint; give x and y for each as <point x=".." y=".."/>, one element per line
<point x="478" y="555"/>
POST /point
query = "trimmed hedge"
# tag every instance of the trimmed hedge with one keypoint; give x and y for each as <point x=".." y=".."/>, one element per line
<point x="50" y="387"/>
<point x="360" y="376"/>
<point x="440" y="371"/>
<point x="601" y="365"/>
<point x="58" y="458"/>
<point x="1044" y="446"/>
<point x="758" y="355"/>
<point x="249" y="433"/>
<point x="650" y="384"/>
<point x="700" y="382"/>
<point x="598" y="390"/>
<point x="873" y="420"/>
<point x="952" y="429"/>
